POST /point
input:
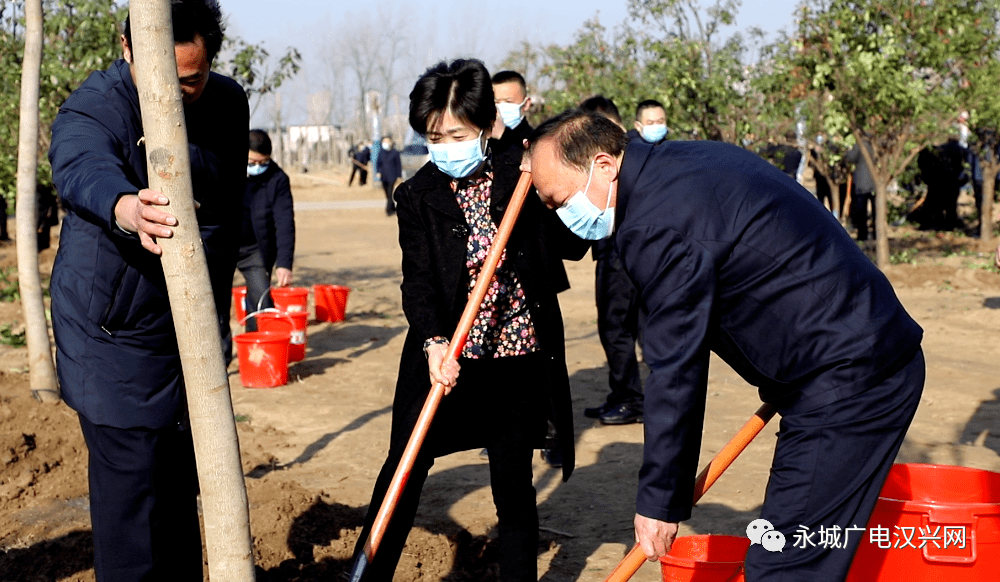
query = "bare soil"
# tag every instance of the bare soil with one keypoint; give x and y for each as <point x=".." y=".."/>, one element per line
<point x="311" y="449"/>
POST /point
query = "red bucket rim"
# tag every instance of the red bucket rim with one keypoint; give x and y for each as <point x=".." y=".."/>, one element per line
<point x="290" y="290"/>
<point x="735" y="545"/>
<point x="261" y="337"/>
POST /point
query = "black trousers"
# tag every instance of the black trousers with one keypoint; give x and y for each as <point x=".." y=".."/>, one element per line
<point x="362" y="179"/>
<point x="143" y="504"/>
<point x="258" y="278"/>
<point x="509" y="431"/>
<point x="860" y="203"/>
<point x="828" y="468"/>
<point x="390" y="206"/>
<point x="618" y="327"/>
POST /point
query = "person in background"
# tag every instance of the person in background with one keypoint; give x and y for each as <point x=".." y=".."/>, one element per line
<point x="267" y="242"/>
<point x="390" y="172"/>
<point x="617" y="316"/>
<point x="511" y="94"/>
<point x="511" y="375"/>
<point x="117" y="354"/>
<point x="360" y="155"/>
<point x="943" y="169"/>
<point x="863" y="192"/>
<point x="650" y="122"/>
<point x="46" y="215"/>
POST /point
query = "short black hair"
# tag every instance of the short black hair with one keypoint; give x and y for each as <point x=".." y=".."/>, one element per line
<point x="603" y="105"/>
<point x="508" y="76"/>
<point x="461" y="87"/>
<point x="191" y="18"/>
<point x="260" y="142"/>
<point x="647" y="104"/>
<point x="580" y="135"/>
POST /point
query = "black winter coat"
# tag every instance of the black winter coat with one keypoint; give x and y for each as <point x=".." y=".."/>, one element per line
<point x="433" y="234"/>
<point x="272" y="216"/>
<point x="116" y="348"/>
<point x="390" y="166"/>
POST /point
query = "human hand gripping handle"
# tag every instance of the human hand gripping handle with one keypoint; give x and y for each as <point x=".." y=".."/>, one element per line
<point x="443" y="370"/>
<point x="654" y="537"/>
<point x="452" y="352"/>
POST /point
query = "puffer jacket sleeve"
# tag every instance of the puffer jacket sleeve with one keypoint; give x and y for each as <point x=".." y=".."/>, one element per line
<point x="89" y="160"/>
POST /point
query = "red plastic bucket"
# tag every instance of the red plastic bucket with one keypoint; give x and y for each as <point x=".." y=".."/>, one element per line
<point x="291" y="299"/>
<point x="240" y="302"/>
<point x="705" y="559"/>
<point x="291" y="324"/>
<point x="933" y="522"/>
<point x="263" y="359"/>
<point x="331" y="302"/>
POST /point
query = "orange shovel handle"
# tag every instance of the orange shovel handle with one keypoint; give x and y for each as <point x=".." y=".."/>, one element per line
<point x="413" y="445"/>
<point x="708" y="476"/>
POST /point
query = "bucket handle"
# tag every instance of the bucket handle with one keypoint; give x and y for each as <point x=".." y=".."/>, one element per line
<point x="970" y="539"/>
<point x="260" y="302"/>
<point x="267" y="310"/>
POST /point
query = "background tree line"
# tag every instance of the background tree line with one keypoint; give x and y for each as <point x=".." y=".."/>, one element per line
<point x="893" y="75"/>
<point x="82" y="36"/>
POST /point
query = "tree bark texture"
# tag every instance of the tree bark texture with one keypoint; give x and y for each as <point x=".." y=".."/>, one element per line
<point x="986" y="212"/>
<point x="213" y="427"/>
<point x="44" y="384"/>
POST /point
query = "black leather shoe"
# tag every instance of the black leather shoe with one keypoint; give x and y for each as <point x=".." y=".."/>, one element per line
<point x="597" y="411"/>
<point x="553" y="457"/>
<point x="622" y="414"/>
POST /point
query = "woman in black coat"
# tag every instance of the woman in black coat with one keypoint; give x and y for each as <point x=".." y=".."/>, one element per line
<point x="512" y="374"/>
<point x="267" y="241"/>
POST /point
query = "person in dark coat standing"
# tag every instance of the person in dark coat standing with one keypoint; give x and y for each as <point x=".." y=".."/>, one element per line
<point x="117" y="354"/>
<point x="862" y="192"/>
<point x="731" y="255"/>
<point x="268" y="236"/>
<point x="617" y="316"/>
<point x="390" y="172"/>
<point x="512" y="373"/>
<point x="942" y="168"/>
<point x="360" y="155"/>
<point x="510" y="92"/>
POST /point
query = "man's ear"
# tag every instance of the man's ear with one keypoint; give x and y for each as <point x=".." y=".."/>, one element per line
<point x="607" y="164"/>
<point x="638" y="127"/>
<point x="126" y="49"/>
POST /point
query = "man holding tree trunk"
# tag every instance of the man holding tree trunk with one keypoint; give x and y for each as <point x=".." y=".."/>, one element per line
<point x="117" y="352"/>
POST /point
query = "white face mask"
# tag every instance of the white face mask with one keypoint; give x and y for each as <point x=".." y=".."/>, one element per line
<point x="510" y="113"/>
<point x="584" y="219"/>
<point x="654" y="133"/>
<point x="458" y="159"/>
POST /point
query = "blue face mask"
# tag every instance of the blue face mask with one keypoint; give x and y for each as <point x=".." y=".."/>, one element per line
<point x="654" y="133"/>
<point x="458" y="159"/>
<point x="510" y="113"/>
<point x="584" y="219"/>
<point x="256" y="169"/>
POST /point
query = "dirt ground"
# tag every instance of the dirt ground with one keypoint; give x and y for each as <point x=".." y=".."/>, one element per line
<point x="312" y="449"/>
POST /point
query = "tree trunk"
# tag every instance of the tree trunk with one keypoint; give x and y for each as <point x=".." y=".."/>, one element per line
<point x="881" y="225"/>
<point x="213" y="427"/>
<point x="986" y="212"/>
<point x="43" y="381"/>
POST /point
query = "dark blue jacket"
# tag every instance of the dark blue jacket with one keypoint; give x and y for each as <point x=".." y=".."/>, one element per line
<point x="272" y="216"/>
<point x="117" y="352"/>
<point x="730" y="255"/>
<point x="390" y="165"/>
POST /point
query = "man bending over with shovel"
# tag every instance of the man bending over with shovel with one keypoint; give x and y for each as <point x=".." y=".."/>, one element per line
<point x="731" y="255"/>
